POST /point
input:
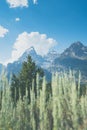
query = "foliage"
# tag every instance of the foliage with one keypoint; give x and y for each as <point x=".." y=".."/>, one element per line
<point x="65" y="109"/>
<point x="24" y="79"/>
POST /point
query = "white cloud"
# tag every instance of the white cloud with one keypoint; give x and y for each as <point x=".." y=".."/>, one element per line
<point x="25" y="40"/>
<point x="17" y="19"/>
<point x="3" y="31"/>
<point x="18" y="3"/>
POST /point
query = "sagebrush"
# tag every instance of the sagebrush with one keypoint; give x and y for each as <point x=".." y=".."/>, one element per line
<point x="64" y="109"/>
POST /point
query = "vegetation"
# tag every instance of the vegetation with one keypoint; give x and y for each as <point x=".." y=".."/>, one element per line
<point x="25" y="78"/>
<point x="64" y="109"/>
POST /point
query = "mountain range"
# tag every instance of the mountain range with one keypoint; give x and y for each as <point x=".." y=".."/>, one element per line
<point x="74" y="57"/>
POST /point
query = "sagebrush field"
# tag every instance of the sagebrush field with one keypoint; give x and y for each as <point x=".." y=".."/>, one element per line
<point x="62" y="108"/>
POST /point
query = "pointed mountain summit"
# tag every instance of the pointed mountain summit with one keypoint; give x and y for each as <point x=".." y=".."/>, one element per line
<point x="76" y="50"/>
<point x="15" y="67"/>
<point x="30" y="51"/>
<point x="77" y="44"/>
<point x="35" y="57"/>
<point x="75" y="58"/>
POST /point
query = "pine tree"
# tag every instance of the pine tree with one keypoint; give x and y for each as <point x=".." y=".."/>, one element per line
<point x="24" y="79"/>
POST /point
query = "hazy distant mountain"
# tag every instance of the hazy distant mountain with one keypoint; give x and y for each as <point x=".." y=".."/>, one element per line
<point x="14" y="67"/>
<point x="51" y="56"/>
<point x="1" y="67"/>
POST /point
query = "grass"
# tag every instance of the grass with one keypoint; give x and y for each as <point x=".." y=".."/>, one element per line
<point x="64" y="109"/>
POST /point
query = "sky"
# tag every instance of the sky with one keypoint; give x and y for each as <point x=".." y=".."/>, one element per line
<point x="43" y="24"/>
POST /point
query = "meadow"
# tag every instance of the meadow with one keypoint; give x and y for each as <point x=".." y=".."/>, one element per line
<point x="61" y="108"/>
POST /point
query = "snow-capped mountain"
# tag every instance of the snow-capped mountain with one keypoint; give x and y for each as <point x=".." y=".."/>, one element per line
<point x="74" y="57"/>
<point x="36" y="58"/>
<point x="16" y="65"/>
<point x="40" y="61"/>
<point x="31" y="51"/>
<point x="51" y="56"/>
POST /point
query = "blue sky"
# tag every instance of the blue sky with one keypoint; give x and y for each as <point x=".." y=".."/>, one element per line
<point x="61" y="21"/>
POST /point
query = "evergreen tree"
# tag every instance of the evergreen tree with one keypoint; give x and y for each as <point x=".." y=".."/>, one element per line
<point x="24" y="79"/>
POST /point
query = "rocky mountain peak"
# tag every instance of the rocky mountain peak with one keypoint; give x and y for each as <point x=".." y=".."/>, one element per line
<point x="77" y="44"/>
<point x="77" y="49"/>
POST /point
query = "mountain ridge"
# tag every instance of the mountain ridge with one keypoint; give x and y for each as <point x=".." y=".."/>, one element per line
<point x="74" y="57"/>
